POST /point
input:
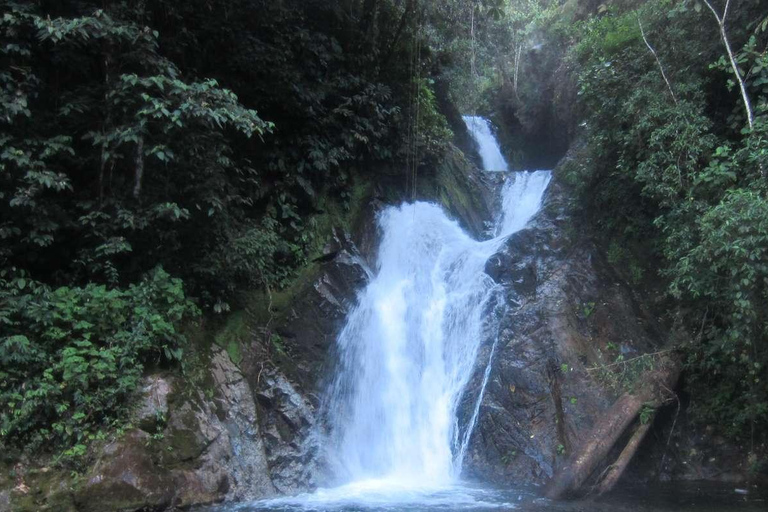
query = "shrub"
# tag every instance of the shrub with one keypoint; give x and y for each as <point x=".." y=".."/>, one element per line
<point x="70" y="356"/>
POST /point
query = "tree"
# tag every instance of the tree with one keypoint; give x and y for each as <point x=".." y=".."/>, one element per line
<point x="734" y="65"/>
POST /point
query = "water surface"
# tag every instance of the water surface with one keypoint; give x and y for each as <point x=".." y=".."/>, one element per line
<point x="673" y="497"/>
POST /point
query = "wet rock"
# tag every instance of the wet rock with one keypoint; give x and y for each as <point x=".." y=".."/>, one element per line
<point x="288" y="379"/>
<point x="214" y="445"/>
<point x="207" y="449"/>
<point x="312" y="317"/>
<point x="566" y="311"/>
<point x="248" y="465"/>
<point x="287" y="425"/>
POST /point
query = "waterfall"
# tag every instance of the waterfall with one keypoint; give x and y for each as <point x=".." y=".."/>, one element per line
<point x="520" y="200"/>
<point x="406" y="355"/>
<point x="490" y="153"/>
<point x="409" y="347"/>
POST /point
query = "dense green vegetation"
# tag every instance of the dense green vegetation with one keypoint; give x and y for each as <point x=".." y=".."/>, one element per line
<point x="159" y="158"/>
<point x="73" y="355"/>
<point x="674" y="167"/>
<point x="131" y="151"/>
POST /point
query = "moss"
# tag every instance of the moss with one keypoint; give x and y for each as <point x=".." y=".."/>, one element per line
<point x="180" y="445"/>
<point x="338" y="213"/>
<point x="233" y="334"/>
<point x="114" y="496"/>
<point x="271" y="308"/>
<point x="50" y="490"/>
<point x="451" y="185"/>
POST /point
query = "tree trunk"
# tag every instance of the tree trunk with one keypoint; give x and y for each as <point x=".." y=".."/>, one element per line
<point x="734" y="65"/>
<point x="618" y="467"/>
<point x="518" y="58"/>
<point x="368" y="25"/>
<point x="139" y="170"/>
<point x="655" y="56"/>
<point x="609" y="430"/>
<point x="105" y="126"/>
<point x="409" y="8"/>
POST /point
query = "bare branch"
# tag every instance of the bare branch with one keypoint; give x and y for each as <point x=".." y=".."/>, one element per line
<point x="717" y="16"/>
<point x="655" y="56"/>
<point x="734" y="65"/>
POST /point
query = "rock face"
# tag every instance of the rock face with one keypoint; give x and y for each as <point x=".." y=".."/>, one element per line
<point x="288" y="379"/>
<point x="566" y="313"/>
<point x="287" y="429"/>
<point x="189" y="448"/>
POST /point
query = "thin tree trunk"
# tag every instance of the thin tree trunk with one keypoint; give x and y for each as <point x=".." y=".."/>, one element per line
<point x="105" y="127"/>
<point x="734" y="65"/>
<point x="368" y="24"/>
<point x="655" y="56"/>
<point x="618" y="467"/>
<point x="409" y="7"/>
<point x="518" y="58"/>
<point x="139" y="172"/>
<point x="472" y="36"/>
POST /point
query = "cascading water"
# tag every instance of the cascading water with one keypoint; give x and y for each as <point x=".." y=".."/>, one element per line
<point x="520" y="199"/>
<point x="409" y="347"/>
<point x="407" y="353"/>
<point x="490" y="153"/>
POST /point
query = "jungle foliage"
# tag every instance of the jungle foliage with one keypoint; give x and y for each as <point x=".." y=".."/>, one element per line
<point x="672" y="166"/>
<point x="158" y="158"/>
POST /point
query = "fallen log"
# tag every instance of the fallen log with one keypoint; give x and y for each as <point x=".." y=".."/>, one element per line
<point x="617" y="468"/>
<point x="650" y="391"/>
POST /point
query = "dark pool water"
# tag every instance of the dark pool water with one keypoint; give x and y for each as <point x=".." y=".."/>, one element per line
<point x="678" y="497"/>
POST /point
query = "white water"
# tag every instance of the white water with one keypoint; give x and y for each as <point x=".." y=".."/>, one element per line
<point x="406" y="354"/>
<point x="519" y="197"/>
<point x="490" y="153"/>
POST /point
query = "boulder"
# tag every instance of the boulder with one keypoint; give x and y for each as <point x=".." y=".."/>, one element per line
<point x="287" y="424"/>
<point x="126" y="478"/>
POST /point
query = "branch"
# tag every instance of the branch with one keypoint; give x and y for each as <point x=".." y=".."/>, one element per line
<point x="627" y="361"/>
<point x="734" y="65"/>
<point x="717" y="16"/>
<point x="655" y="56"/>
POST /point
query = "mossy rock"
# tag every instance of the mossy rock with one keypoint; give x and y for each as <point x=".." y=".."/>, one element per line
<point x="455" y="184"/>
<point x="181" y="442"/>
<point x="233" y="334"/>
<point x="49" y="491"/>
<point x="126" y="479"/>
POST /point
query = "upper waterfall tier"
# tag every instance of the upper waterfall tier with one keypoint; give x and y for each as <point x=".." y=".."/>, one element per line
<point x="488" y="146"/>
